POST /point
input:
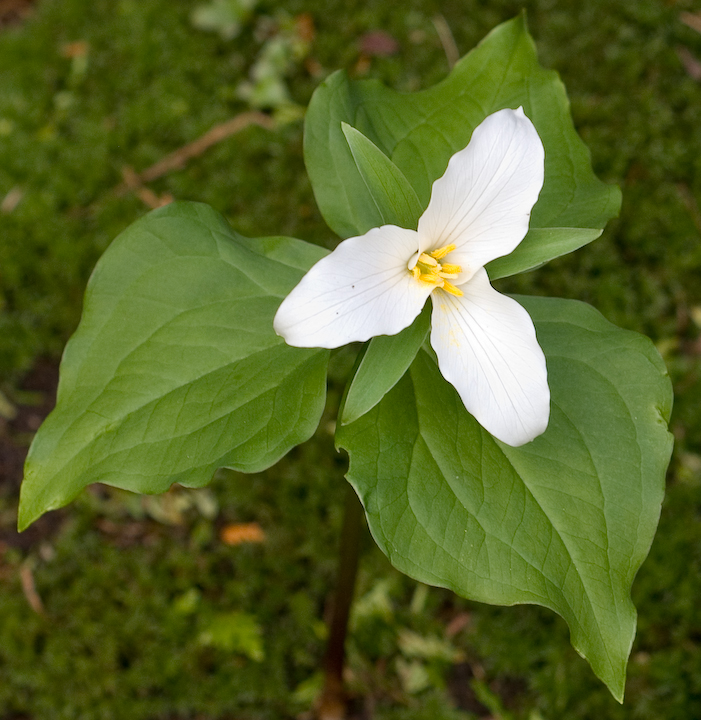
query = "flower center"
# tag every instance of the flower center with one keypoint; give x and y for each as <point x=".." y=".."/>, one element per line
<point x="429" y="270"/>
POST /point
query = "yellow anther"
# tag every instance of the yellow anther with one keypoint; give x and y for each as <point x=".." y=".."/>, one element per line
<point x="427" y="260"/>
<point x="442" y="252"/>
<point x="428" y="270"/>
<point x="451" y="269"/>
<point x="450" y="288"/>
<point x="431" y="279"/>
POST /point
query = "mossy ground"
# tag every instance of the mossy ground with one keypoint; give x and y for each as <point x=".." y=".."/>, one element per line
<point x="133" y="590"/>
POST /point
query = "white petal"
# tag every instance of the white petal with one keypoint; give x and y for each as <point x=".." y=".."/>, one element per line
<point x="362" y="289"/>
<point x="483" y="202"/>
<point x="487" y="348"/>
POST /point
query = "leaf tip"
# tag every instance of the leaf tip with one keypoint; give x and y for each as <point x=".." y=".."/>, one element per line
<point x="348" y="416"/>
<point x="353" y="138"/>
<point x="618" y="688"/>
<point x="26" y="515"/>
<point x="33" y="499"/>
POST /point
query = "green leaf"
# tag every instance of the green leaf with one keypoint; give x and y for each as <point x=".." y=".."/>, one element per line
<point x="564" y="521"/>
<point x="385" y="359"/>
<point x="235" y="632"/>
<point x="393" y="196"/>
<point x="420" y="131"/>
<point x="222" y="16"/>
<point x="538" y="247"/>
<point x="175" y="369"/>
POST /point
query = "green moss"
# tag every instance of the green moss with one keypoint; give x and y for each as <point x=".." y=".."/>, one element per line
<point x="117" y="639"/>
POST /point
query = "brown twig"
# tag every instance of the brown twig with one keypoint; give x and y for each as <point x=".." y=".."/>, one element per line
<point x="445" y="35"/>
<point x="690" y="62"/>
<point x="692" y="20"/>
<point x="132" y="182"/>
<point x="26" y="577"/>
<point x="177" y="160"/>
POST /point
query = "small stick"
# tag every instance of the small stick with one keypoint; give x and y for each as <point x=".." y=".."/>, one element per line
<point x="690" y="63"/>
<point x="447" y="40"/>
<point x="132" y="181"/>
<point x="180" y="157"/>
<point x="26" y="577"/>
<point x="692" y="20"/>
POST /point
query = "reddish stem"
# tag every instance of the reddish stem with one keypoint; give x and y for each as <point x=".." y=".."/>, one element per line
<point x="332" y="701"/>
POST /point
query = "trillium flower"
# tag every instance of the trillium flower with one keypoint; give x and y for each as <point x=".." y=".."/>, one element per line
<point x="377" y="283"/>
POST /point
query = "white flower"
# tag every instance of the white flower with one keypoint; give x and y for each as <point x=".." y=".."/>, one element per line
<point x="377" y="284"/>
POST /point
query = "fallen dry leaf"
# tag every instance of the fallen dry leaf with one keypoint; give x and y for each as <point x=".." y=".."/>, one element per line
<point x="79" y="48"/>
<point x="238" y="533"/>
<point x="304" y="24"/>
<point x="11" y="200"/>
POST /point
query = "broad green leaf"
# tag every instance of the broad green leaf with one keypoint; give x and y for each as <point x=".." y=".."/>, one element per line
<point x="175" y="369"/>
<point x="392" y="195"/>
<point x="564" y="521"/>
<point x="420" y="131"/>
<point x="385" y="359"/>
<point x="538" y="247"/>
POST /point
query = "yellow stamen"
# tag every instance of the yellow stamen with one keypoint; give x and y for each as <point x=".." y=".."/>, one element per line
<point x="452" y="269"/>
<point x="426" y="260"/>
<point x="450" y="288"/>
<point x="442" y="252"/>
<point x="428" y="270"/>
<point x="431" y="279"/>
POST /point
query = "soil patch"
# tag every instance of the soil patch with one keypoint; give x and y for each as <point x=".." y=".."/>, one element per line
<point x="35" y="400"/>
<point x="14" y="11"/>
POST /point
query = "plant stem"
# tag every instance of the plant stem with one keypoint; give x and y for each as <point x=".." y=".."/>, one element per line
<point x="332" y="701"/>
